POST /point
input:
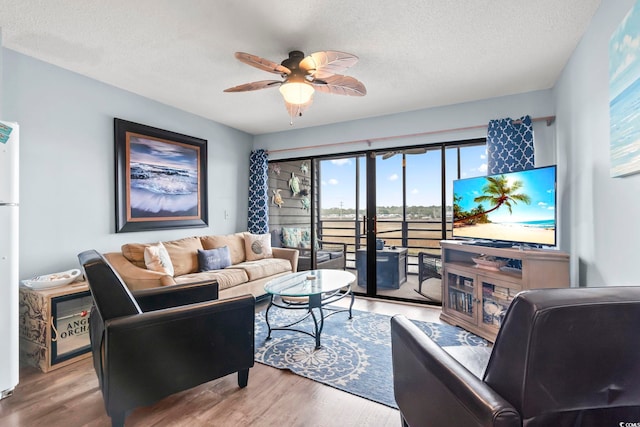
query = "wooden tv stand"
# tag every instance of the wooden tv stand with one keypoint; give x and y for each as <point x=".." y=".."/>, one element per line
<point x="476" y="299"/>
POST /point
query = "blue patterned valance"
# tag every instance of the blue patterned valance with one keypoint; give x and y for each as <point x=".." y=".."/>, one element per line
<point x="258" y="215"/>
<point x="510" y="145"/>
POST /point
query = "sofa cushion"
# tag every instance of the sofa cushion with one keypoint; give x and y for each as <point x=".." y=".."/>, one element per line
<point x="257" y="246"/>
<point x="213" y="259"/>
<point x="184" y="254"/>
<point x="134" y="252"/>
<point x="157" y="258"/>
<point x="322" y="257"/>
<point x="333" y="254"/>
<point x="227" y="278"/>
<point x="262" y="268"/>
<point x="235" y="243"/>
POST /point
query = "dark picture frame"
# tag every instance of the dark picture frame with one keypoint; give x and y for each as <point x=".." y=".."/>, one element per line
<point x="160" y="180"/>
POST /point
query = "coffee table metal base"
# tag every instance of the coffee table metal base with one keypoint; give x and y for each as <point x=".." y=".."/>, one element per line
<point x="309" y="304"/>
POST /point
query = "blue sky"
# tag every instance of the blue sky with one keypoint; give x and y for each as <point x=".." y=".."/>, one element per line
<point x="160" y="153"/>
<point x="423" y="177"/>
<point x="624" y="49"/>
<point x="538" y="184"/>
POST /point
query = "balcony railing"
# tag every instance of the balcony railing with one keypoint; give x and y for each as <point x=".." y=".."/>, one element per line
<point x="415" y="235"/>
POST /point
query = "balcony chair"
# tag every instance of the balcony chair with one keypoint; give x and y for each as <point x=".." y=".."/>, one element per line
<point x="563" y="357"/>
<point x="429" y="267"/>
<point x="156" y="342"/>
<point x="328" y="255"/>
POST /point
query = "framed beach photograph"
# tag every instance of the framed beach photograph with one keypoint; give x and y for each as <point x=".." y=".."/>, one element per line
<point x="624" y="92"/>
<point x="161" y="178"/>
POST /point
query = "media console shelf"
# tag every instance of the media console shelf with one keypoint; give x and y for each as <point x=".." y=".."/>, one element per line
<point x="476" y="299"/>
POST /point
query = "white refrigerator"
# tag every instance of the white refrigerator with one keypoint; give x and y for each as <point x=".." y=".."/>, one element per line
<point x="9" y="281"/>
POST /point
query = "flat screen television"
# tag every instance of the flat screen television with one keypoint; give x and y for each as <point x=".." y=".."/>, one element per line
<point x="514" y="207"/>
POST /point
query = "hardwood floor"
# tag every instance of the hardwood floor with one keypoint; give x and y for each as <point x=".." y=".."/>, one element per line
<point x="70" y="397"/>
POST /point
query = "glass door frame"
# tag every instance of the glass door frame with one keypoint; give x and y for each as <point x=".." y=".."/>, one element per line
<point x="370" y="224"/>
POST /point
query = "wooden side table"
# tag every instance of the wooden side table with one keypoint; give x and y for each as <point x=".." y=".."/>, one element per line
<point x="54" y="325"/>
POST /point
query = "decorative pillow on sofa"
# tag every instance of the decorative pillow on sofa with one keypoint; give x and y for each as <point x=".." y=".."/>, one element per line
<point x="257" y="246"/>
<point x="214" y="259"/>
<point x="235" y="243"/>
<point x="156" y="258"/>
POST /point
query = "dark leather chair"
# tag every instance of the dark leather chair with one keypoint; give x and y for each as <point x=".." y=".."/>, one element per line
<point x="157" y="342"/>
<point x="563" y="357"/>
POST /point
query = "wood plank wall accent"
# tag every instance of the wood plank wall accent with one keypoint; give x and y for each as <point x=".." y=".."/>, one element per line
<point x="292" y="212"/>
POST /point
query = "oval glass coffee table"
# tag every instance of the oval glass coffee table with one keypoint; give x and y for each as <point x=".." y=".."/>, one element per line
<point x="309" y="291"/>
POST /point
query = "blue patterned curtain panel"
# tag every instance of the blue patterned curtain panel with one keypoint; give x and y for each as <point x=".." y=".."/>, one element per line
<point x="510" y="146"/>
<point x="258" y="193"/>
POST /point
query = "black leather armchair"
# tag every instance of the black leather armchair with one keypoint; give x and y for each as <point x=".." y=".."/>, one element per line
<point x="563" y="357"/>
<point x="157" y="342"/>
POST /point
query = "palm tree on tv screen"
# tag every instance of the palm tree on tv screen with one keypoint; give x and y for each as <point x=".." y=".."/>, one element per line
<point x="497" y="192"/>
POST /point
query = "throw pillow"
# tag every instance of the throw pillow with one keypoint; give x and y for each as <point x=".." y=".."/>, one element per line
<point x="156" y="258"/>
<point x="257" y="246"/>
<point x="214" y="259"/>
<point x="291" y="236"/>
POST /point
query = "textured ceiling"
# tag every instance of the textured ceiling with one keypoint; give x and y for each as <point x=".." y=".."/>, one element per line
<point x="413" y="54"/>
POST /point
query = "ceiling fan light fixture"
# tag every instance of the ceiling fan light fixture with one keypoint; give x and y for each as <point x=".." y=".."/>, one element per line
<point x="296" y="92"/>
<point x="303" y="75"/>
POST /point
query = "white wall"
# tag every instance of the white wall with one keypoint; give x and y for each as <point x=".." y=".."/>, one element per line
<point x="67" y="196"/>
<point x="600" y="218"/>
<point x="1" y="51"/>
<point x="471" y="114"/>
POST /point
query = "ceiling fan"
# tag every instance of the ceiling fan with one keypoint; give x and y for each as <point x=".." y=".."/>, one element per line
<point x="390" y="154"/>
<point x="302" y="75"/>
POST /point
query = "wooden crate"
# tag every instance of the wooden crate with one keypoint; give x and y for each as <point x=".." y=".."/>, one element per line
<point x="54" y="325"/>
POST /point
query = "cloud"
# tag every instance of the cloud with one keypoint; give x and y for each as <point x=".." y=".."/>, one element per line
<point x="483" y="167"/>
<point x="333" y="181"/>
<point x="340" y="162"/>
<point x="393" y="177"/>
<point x="415" y="191"/>
<point x="626" y="63"/>
<point x="631" y="42"/>
<point x="542" y="204"/>
<point x="483" y="156"/>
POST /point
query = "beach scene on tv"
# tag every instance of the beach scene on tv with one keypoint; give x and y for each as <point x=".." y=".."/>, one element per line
<point x="513" y="207"/>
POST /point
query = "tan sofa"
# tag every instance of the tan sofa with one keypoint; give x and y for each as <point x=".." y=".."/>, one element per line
<point x="242" y="277"/>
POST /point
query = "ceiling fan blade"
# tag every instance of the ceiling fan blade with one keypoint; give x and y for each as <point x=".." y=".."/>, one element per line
<point x="261" y="63"/>
<point x="262" y="84"/>
<point x="327" y="63"/>
<point x="340" y="85"/>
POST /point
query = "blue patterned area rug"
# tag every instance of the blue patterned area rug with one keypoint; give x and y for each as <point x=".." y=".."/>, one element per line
<point x="355" y="355"/>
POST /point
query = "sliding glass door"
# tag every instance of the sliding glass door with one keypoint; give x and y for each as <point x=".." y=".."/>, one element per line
<point x="390" y="208"/>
